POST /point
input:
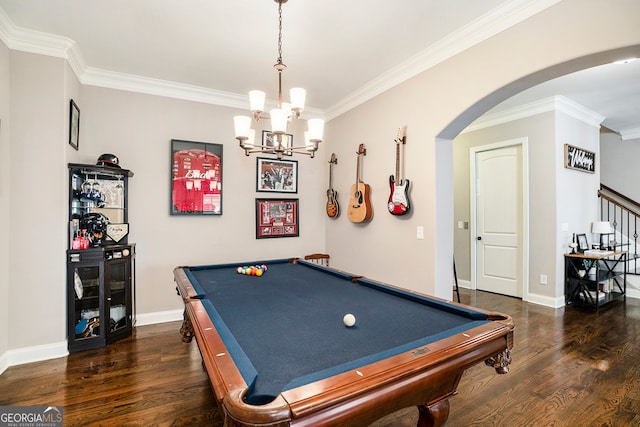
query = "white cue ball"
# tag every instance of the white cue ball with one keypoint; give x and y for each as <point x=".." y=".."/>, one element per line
<point x="349" y="320"/>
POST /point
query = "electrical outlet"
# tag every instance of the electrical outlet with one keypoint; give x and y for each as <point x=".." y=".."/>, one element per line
<point x="543" y="279"/>
<point x="420" y="232"/>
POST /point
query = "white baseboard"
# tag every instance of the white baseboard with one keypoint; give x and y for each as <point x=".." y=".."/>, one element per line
<point x="158" y="317"/>
<point x="36" y="353"/>
<point x="4" y="362"/>
<point x="53" y="351"/>
<point x="545" y="300"/>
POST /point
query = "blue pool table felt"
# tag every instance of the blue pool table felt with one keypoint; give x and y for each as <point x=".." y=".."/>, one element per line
<point x="285" y="329"/>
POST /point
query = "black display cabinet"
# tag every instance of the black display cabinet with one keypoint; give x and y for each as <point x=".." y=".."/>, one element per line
<point x="100" y="295"/>
<point x="100" y="261"/>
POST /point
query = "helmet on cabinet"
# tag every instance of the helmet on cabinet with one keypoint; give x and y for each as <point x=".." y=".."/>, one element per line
<point x="96" y="225"/>
<point x="107" y="159"/>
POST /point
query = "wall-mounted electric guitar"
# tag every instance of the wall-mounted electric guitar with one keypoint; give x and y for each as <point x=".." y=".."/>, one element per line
<point x="333" y="209"/>
<point x="359" y="204"/>
<point x="399" y="197"/>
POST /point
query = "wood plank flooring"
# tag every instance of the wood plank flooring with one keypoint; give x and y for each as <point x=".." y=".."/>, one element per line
<point x="570" y="368"/>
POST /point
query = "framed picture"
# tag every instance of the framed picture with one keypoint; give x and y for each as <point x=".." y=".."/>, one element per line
<point x="74" y="125"/>
<point x="277" y="218"/>
<point x="579" y="159"/>
<point x="276" y="176"/>
<point x="268" y="138"/>
<point x="196" y="178"/>
<point x="583" y="244"/>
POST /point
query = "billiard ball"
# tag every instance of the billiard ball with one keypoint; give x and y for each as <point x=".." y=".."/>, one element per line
<point x="349" y="320"/>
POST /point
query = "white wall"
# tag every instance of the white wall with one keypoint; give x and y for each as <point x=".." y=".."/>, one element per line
<point x="621" y="156"/>
<point x="437" y="103"/>
<point x="5" y="174"/>
<point x="37" y="172"/>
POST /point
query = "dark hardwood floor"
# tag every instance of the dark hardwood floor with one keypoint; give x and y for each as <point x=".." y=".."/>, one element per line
<point x="570" y="368"/>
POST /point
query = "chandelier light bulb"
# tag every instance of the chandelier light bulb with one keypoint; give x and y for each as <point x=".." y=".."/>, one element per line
<point x="279" y="119"/>
<point x="298" y="96"/>
<point x="316" y="129"/>
<point x="256" y="101"/>
<point x="242" y="125"/>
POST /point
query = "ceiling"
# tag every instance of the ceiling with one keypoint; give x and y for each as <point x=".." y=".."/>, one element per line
<point x="342" y="52"/>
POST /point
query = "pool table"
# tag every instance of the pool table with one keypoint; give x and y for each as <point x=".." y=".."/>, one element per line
<point x="278" y="354"/>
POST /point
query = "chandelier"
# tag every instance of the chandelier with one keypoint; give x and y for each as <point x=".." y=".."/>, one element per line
<point x="280" y="117"/>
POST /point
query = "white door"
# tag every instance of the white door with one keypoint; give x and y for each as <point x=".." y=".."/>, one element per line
<point x="499" y="213"/>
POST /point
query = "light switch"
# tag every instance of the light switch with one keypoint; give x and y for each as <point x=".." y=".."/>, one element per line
<point x="420" y="232"/>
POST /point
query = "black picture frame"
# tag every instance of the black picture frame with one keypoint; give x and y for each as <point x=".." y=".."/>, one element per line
<point x="196" y="178"/>
<point x="276" y="176"/>
<point x="583" y="244"/>
<point x="277" y="218"/>
<point x="74" y="125"/>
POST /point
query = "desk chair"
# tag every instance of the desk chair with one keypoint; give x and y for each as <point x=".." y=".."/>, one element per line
<point x="320" y="259"/>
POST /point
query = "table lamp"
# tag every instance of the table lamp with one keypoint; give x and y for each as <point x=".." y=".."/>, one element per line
<point x="601" y="228"/>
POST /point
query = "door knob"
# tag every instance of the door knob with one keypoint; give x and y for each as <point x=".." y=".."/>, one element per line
<point x="479" y="237"/>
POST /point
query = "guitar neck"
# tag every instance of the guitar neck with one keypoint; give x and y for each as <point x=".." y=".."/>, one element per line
<point x="398" y="161"/>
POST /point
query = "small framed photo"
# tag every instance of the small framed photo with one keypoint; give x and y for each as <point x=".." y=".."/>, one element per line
<point x="583" y="244"/>
<point x="277" y="218"/>
<point x="74" y="125"/>
<point x="276" y="176"/>
<point x="268" y="139"/>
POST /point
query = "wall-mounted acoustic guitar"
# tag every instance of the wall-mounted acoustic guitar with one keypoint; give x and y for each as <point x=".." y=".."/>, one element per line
<point x="359" y="204"/>
<point x="333" y="209"/>
<point x="399" y="197"/>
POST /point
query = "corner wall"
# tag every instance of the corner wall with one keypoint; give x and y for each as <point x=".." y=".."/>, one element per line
<point x="5" y="202"/>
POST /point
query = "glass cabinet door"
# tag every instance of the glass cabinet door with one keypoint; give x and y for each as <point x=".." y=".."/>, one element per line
<point x="117" y="285"/>
<point x="86" y="285"/>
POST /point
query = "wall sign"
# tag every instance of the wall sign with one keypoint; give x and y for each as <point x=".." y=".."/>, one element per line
<point x="579" y="159"/>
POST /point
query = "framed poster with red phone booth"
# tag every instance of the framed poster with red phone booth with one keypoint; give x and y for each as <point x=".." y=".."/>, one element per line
<point x="196" y="178"/>
<point x="277" y="218"/>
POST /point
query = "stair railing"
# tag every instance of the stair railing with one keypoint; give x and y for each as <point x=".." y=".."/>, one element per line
<point x="623" y="213"/>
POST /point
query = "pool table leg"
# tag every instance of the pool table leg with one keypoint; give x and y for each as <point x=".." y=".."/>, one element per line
<point x="500" y="361"/>
<point x="187" y="328"/>
<point x="434" y="415"/>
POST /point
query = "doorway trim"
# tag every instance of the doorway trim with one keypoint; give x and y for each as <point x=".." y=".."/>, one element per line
<point x="523" y="142"/>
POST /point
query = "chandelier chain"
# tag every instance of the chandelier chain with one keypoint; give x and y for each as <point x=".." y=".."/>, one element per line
<point x="279" y="32"/>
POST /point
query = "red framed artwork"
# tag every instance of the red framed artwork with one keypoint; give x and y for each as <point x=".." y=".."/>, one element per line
<point x="277" y="218"/>
<point x="196" y="178"/>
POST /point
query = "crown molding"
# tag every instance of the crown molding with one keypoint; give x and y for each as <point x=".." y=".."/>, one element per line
<point x="486" y="26"/>
<point x="551" y="104"/>
<point x="501" y="18"/>
<point x="628" y="134"/>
